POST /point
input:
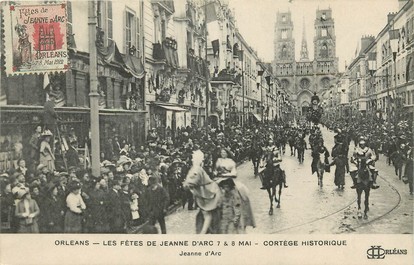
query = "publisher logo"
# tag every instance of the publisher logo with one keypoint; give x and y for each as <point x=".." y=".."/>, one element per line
<point x="376" y="252"/>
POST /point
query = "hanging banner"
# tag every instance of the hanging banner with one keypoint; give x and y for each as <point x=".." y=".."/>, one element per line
<point x="179" y="119"/>
<point x="188" y="119"/>
<point x="168" y="119"/>
<point x="35" y="38"/>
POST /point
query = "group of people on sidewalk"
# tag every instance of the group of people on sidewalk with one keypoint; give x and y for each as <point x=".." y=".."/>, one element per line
<point x="136" y="187"/>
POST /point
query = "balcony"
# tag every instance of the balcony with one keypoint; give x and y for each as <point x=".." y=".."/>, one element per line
<point x="166" y="52"/>
<point x="196" y="64"/>
<point x="227" y="76"/>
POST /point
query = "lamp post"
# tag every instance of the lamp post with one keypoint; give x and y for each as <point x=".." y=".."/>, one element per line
<point x="241" y="55"/>
<point x="93" y="95"/>
<point x="372" y="67"/>
<point x="394" y="34"/>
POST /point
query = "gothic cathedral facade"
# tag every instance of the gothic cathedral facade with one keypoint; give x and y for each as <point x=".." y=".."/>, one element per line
<point x="300" y="79"/>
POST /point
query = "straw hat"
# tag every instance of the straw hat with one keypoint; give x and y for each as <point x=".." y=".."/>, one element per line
<point x="46" y="133"/>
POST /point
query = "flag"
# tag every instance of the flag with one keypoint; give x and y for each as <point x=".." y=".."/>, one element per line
<point x="168" y="122"/>
<point x="210" y="11"/>
<point x="241" y="53"/>
<point x="213" y="27"/>
<point x="46" y="81"/>
<point x="216" y="47"/>
<point x="258" y="80"/>
<point x="87" y="162"/>
<point x="268" y="80"/>
<point x="394" y="34"/>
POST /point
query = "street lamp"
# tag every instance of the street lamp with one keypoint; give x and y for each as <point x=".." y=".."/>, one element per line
<point x="372" y="67"/>
<point x="393" y="34"/>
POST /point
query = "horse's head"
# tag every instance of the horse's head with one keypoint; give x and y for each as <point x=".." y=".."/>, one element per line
<point x="362" y="163"/>
<point x="194" y="177"/>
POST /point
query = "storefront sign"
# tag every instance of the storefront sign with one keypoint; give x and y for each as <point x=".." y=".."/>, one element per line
<point x="35" y="38"/>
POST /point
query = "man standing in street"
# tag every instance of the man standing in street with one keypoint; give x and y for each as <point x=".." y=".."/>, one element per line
<point x="158" y="201"/>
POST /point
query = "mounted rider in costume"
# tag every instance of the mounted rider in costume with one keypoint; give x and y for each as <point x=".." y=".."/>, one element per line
<point x="272" y="157"/>
<point x="363" y="151"/>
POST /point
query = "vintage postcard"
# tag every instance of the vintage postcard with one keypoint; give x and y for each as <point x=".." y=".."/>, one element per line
<point x="206" y="132"/>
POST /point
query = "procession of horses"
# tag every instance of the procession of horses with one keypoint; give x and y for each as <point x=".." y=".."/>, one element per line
<point x="266" y="152"/>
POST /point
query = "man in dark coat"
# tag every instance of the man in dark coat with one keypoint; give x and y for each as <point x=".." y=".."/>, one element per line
<point x="409" y="171"/>
<point x="158" y="201"/>
<point x="50" y="116"/>
<point x="72" y="155"/>
<point x="115" y="210"/>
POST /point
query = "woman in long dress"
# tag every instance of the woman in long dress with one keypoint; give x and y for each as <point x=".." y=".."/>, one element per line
<point x="47" y="157"/>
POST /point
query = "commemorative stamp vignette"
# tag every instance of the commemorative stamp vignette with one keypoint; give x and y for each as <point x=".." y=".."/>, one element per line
<point x="36" y="42"/>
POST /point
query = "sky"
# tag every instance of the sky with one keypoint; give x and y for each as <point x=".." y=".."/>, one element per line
<point x="256" y="19"/>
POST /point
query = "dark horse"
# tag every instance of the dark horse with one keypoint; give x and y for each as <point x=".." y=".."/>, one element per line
<point x="363" y="185"/>
<point x="272" y="177"/>
<point x="255" y="156"/>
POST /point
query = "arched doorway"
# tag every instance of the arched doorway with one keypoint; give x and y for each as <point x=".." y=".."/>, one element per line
<point x="304" y="99"/>
<point x="304" y="108"/>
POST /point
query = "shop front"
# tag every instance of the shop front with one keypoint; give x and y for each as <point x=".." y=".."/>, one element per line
<point x="168" y="119"/>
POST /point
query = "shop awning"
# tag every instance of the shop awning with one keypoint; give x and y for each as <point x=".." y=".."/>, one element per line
<point x="173" y="108"/>
<point x="257" y="116"/>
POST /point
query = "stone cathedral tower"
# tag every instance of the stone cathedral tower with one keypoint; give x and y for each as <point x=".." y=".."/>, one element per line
<point x="304" y="77"/>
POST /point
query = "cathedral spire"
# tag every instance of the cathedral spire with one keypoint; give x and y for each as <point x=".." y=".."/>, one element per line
<point x="304" y="49"/>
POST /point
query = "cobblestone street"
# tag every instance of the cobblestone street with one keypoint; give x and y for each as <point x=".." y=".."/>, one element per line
<point x="307" y="208"/>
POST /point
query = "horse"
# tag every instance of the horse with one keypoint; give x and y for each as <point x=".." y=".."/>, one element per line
<point x="272" y="177"/>
<point x="318" y="164"/>
<point x="301" y="146"/>
<point x="363" y="185"/>
<point x="255" y="155"/>
<point x="209" y="197"/>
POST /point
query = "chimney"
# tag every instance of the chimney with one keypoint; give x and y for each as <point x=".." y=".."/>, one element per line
<point x="391" y="16"/>
<point x="365" y="42"/>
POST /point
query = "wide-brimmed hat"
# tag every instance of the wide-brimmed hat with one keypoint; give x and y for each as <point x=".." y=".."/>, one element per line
<point x="72" y="168"/>
<point x="40" y="167"/>
<point x="124" y="160"/>
<point x="74" y="185"/>
<point x="225" y="181"/>
<point x="46" y="133"/>
<point x="21" y="192"/>
<point x="105" y="170"/>
<point x="62" y="174"/>
<point x="107" y="163"/>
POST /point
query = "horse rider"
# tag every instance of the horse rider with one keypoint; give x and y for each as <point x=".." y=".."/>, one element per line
<point x="363" y="151"/>
<point x="317" y="150"/>
<point x="272" y="155"/>
<point x="300" y="144"/>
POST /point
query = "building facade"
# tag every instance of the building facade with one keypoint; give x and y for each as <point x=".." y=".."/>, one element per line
<point x="158" y="66"/>
<point x="381" y="77"/>
<point x="302" y="78"/>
